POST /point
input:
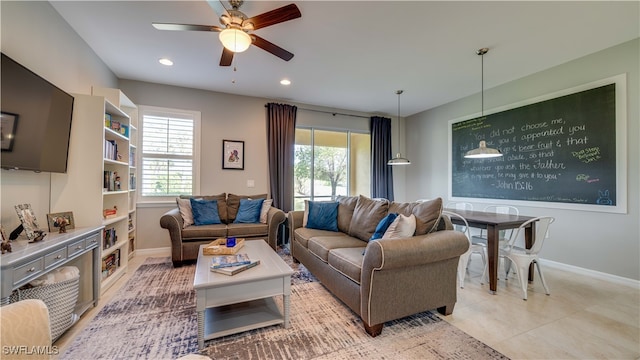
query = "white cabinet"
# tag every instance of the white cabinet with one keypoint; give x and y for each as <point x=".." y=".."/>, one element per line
<point x="97" y="186"/>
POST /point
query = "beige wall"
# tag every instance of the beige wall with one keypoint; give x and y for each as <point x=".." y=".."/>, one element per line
<point x="35" y="35"/>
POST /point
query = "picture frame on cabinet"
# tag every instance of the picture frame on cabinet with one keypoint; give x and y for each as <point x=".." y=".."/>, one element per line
<point x="233" y="154"/>
<point x="8" y="125"/>
<point x="53" y="221"/>
<point x="28" y="220"/>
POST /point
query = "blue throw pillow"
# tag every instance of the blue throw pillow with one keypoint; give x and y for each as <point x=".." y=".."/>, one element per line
<point x="323" y="215"/>
<point x="249" y="211"/>
<point x="383" y="225"/>
<point x="205" y="212"/>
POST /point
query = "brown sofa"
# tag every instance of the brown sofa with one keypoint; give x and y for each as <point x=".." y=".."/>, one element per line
<point x="393" y="278"/>
<point x="185" y="241"/>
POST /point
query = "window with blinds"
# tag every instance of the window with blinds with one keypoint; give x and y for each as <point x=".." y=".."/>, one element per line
<point x="168" y="164"/>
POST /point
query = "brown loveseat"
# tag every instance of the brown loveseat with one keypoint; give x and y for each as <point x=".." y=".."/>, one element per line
<point x="185" y="241"/>
<point x="393" y="278"/>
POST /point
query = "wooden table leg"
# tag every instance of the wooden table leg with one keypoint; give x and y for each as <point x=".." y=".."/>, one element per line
<point x="492" y="258"/>
<point x="528" y="243"/>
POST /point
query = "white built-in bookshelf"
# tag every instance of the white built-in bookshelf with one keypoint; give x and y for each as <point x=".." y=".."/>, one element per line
<point x="104" y="135"/>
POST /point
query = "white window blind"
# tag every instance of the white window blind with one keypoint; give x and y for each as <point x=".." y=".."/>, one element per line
<point x="168" y="154"/>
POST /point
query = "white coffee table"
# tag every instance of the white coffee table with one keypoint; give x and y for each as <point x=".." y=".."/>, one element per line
<point x="245" y="301"/>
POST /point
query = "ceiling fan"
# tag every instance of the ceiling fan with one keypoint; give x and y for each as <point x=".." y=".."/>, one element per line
<point x="237" y="33"/>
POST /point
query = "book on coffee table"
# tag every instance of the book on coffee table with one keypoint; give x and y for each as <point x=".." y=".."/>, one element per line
<point x="223" y="261"/>
<point x="232" y="270"/>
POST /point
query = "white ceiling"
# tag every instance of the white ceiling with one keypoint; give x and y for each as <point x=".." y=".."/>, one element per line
<point x="354" y="55"/>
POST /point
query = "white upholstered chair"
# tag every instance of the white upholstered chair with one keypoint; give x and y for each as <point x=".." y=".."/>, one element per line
<point x="473" y="249"/>
<point x="25" y="325"/>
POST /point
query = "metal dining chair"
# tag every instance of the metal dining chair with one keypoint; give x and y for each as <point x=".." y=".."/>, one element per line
<point x="459" y="205"/>
<point x="466" y="257"/>
<point x="522" y="258"/>
<point x="504" y="235"/>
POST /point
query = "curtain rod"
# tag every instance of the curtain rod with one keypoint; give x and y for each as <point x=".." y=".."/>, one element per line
<point x="334" y="113"/>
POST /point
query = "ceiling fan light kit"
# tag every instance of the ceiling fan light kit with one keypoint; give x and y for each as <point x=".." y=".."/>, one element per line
<point x="237" y="35"/>
<point x="235" y="40"/>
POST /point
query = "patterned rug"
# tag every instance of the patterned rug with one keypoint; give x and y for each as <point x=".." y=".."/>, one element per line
<point x="153" y="317"/>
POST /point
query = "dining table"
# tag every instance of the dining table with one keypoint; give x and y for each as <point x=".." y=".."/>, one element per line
<point x="493" y="223"/>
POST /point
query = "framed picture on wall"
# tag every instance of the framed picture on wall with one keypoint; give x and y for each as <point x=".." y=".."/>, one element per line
<point x="233" y="154"/>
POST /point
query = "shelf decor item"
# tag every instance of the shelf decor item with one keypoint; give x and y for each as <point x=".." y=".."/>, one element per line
<point x="5" y="245"/>
<point x="110" y="213"/>
<point x="61" y="221"/>
<point x="28" y="220"/>
<point x="233" y="154"/>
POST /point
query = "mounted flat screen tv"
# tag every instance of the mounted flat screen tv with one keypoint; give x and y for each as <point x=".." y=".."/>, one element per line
<point x="36" y="121"/>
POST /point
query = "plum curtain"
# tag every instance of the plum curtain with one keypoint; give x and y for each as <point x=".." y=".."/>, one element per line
<point x="281" y="136"/>
<point x="381" y="173"/>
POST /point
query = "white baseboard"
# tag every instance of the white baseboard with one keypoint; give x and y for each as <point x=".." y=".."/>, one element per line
<point x="165" y="251"/>
<point x="592" y="273"/>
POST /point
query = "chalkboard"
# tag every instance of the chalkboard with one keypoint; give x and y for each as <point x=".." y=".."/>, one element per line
<point x="560" y="150"/>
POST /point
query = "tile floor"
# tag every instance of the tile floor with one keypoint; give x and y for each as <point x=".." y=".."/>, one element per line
<point x="583" y="318"/>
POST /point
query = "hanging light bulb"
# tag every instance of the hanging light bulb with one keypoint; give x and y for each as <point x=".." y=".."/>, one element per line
<point x="399" y="160"/>
<point x="482" y="151"/>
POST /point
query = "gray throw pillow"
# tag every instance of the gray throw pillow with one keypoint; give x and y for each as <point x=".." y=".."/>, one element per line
<point x="427" y="215"/>
<point x="366" y="216"/>
<point x="346" y="205"/>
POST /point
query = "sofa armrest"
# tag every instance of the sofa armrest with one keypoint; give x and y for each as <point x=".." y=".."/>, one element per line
<point x="172" y="221"/>
<point x="275" y="218"/>
<point x="25" y="324"/>
<point x="386" y="254"/>
<point x="405" y="276"/>
<point x="295" y="221"/>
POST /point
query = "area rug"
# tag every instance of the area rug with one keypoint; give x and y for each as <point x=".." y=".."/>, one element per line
<point x="153" y="317"/>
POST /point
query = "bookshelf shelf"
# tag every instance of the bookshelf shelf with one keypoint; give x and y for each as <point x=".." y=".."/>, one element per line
<point x="109" y="221"/>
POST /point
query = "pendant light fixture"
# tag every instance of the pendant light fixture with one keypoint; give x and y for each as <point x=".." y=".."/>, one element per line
<point x="399" y="160"/>
<point x="482" y="152"/>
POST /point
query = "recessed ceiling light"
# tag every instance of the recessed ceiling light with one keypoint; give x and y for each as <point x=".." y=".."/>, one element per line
<point x="285" y="82"/>
<point x="165" y="61"/>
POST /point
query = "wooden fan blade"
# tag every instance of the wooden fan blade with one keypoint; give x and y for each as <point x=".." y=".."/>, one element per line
<point x="227" y="57"/>
<point x="186" y="27"/>
<point x="218" y="7"/>
<point x="275" y="16"/>
<point x="272" y="48"/>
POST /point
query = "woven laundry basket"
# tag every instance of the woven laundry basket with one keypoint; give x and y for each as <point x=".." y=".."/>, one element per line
<point x="60" y="298"/>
